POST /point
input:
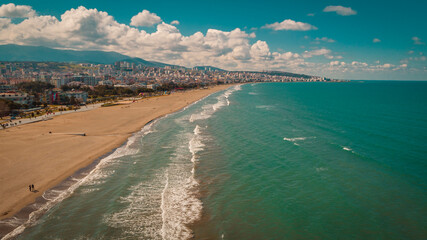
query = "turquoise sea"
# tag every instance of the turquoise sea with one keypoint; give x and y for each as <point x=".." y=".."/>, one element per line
<point x="260" y="161"/>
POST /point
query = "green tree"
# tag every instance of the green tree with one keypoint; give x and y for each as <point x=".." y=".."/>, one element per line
<point x="34" y="87"/>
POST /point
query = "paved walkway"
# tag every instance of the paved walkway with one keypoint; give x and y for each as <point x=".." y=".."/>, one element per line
<point x="21" y="121"/>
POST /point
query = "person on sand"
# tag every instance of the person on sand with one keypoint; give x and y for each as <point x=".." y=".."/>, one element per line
<point x="29" y="186"/>
<point x="32" y="186"/>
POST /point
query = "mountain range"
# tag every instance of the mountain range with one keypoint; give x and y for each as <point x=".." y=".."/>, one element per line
<point x="12" y="52"/>
<point x="20" y="53"/>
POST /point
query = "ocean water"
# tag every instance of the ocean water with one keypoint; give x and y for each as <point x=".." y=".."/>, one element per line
<point x="261" y="161"/>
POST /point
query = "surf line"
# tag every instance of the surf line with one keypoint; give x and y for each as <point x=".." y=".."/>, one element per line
<point x="16" y="225"/>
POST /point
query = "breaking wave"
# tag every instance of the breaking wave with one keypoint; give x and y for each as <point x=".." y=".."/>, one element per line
<point x="89" y="176"/>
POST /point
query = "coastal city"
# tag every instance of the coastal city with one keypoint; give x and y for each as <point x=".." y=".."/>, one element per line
<point x="181" y="120"/>
<point x="26" y="86"/>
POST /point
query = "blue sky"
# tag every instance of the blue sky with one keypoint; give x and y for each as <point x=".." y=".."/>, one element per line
<point x="338" y="39"/>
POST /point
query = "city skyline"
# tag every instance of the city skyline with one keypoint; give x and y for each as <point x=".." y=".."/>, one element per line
<point x="345" y="40"/>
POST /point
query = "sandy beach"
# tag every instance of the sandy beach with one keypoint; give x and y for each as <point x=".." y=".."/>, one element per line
<point x="32" y="155"/>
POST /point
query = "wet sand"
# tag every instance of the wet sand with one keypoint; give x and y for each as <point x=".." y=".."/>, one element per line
<point x="29" y="154"/>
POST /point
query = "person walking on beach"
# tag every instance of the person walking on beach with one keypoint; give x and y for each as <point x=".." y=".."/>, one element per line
<point x="29" y="186"/>
<point x="32" y="186"/>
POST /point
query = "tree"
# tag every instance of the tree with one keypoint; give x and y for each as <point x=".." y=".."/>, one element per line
<point x="35" y="87"/>
<point x="4" y="108"/>
<point x="66" y="88"/>
<point x="7" y="106"/>
<point x="74" y="101"/>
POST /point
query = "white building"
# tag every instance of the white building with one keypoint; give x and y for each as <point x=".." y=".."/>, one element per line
<point x="58" y="81"/>
<point x="81" y="96"/>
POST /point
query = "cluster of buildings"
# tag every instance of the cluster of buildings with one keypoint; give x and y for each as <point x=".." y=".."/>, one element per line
<point x="120" y="74"/>
<point x="53" y="96"/>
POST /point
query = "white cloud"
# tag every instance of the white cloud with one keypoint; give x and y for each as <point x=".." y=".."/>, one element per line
<point x="175" y="22"/>
<point x="406" y="60"/>
<point x="360" y="64"/>
<point x="285" y="56"/>
<point x="324" y="39"/>
<point x="90" y="29"/>
<point x="417" y="41"/>
<point x="376" y="40"/>
<point x="289" y="24"/>
<point x="260" y="50"/>
<point x="145" y="19"/>
<point x="16" y="11"/>
<point x="340" y="10"/>
<point x="334" y="63"/>
<point x="318" y="52"/>
<point x="4" y="22"/>
<point x="386" y="65"/>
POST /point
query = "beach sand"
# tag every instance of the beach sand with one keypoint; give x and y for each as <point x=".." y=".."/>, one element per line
<point x="29" y="154"/>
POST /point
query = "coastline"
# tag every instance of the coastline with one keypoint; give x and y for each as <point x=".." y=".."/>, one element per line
<point x="49" y="159"/>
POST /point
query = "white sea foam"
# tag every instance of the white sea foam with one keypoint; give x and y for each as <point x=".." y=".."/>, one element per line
<point x="209" y="109"/>
<point x="53" y="196"/>
<point x="180" y="205"/>
<point x="252" y="93"/>
<point x="159" y="209"/>
<point x="195" y="145"/>
<point x="321" y="169"/>
<point x="266" y="107"/>
<point x="164" y="207"/>
<point x="142" y="216"/>
<point x="294" y="139"/>
<point x="346" y="148"/>
<point x="297" y="139"/>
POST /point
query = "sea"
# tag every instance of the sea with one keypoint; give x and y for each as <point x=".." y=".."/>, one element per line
<point x="337" y="160"/>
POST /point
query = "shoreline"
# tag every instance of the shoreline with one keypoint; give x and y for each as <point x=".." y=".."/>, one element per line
<point x="107" y="141"/>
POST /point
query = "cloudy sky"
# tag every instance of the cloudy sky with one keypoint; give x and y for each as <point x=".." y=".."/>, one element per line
<point x="339" y="39"/>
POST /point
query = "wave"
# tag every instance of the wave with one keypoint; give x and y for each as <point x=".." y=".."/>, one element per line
<point x="195" y="145"/>
<point x="180" y="205"/>
<point x="209" y="109"/>
<point x="266" y="107"/>
<point x="142" y="216"/>
<point x="297" y="139"/>
<point x="168" y="201"/>
<point x="90" y="176"/>
<point x="165" y="206"/>
<point x="321" y="169"/>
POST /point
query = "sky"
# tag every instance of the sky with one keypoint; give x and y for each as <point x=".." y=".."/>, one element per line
<point x="373" y="40"/>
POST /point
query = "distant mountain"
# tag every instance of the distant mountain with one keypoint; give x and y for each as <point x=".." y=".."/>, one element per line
<point x="280" y="73"/>
<point x="12" y="52"/>
<point x="209" y="68"/>
<point x="288" y="74"/>
<point x="147" y="63"/>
